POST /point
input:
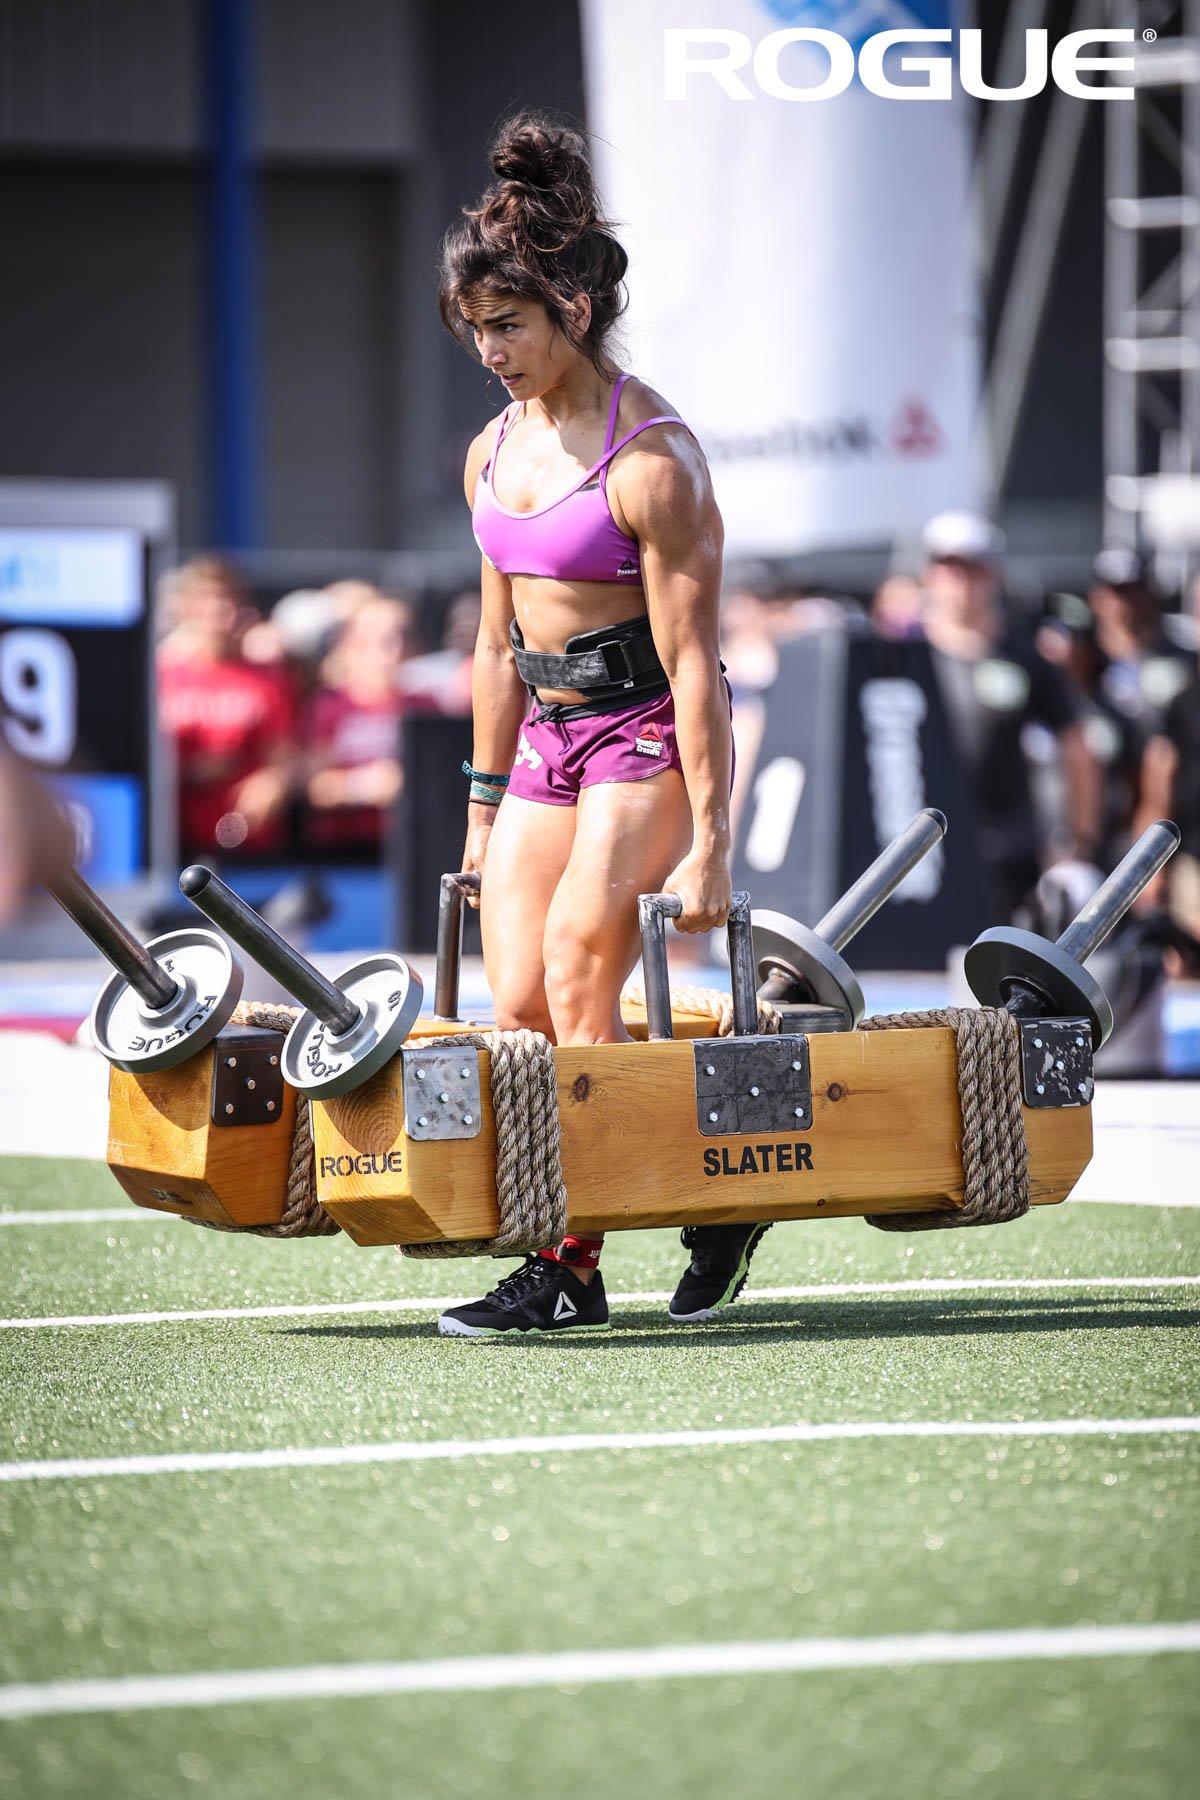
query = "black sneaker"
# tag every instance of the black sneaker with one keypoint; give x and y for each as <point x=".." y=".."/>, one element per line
<point x="539" y="1296"/>
<point x="717" y="1272"/>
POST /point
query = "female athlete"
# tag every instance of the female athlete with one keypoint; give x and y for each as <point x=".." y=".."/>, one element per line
<point x="602" y="745"/>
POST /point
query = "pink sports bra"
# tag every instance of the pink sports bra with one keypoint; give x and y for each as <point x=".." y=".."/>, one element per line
<point x="575" y="538"/>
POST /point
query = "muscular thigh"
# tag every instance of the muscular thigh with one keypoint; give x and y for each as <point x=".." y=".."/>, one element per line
<point x="629" y="835"/>
<point x="526" y="855"/>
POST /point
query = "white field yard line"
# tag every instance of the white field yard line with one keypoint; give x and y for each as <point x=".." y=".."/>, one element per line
<point x="83" y="1215"/>
<point x="1130" y="1194"/>
<point x="827" y="1290"/>
<point x="325" y="1456"/>
<point x="584" y="1668"/>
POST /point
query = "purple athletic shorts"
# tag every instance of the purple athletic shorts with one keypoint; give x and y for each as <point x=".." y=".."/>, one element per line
<point x="558" y="757"/>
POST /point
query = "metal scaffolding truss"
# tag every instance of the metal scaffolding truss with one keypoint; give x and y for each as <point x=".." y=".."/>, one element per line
<point x="1152" y="285"/>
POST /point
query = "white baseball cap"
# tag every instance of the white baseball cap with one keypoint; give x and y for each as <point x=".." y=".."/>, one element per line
<point x="966" y="535"/>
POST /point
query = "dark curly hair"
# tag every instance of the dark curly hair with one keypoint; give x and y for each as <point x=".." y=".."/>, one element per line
<point x="537" y="232"/>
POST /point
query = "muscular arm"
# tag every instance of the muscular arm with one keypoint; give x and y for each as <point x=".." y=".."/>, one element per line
<point x="1160" y="761"/>
<point x="1160" y="764"/>
<point x="498" y="696"/>
<point x="666" y="495"/>
<point x="1085" y="789"/>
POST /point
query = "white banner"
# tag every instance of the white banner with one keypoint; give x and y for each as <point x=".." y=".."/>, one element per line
<point x="799" y="276"/>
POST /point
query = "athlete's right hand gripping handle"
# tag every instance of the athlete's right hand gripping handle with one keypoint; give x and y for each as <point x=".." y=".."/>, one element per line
<point x="653" y="911"/>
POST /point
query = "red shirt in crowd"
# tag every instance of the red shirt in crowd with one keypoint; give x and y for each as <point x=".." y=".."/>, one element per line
<point x="344" y="733"/>
<point x="227" y="720"/>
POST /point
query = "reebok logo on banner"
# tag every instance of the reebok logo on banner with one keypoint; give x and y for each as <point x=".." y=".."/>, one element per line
<point x="648" y="741"/>
<point x="565" y="1307"/>
<point x="915" y="431"/>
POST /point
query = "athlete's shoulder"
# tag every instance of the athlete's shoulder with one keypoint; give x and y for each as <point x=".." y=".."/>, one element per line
<point x="662" y="467"/>
<point x="480" y="449"/>
<point x="671" y="442"/>
<point x="639" y="402"/>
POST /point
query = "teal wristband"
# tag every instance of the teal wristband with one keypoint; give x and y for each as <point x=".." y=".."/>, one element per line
<point x="499" y="781"/>
<point x="485" y="794"/>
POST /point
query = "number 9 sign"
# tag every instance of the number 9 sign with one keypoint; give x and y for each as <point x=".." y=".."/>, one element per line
<point x="39" y="695"/>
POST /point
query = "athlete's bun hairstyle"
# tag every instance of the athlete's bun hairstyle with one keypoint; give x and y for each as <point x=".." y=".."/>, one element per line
<point x="537" y="231"/>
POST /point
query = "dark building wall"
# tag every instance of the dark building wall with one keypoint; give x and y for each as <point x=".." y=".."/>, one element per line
<point x="101" y="329"/>
<point x="330" y="447"/>
<point x="483" y="65"/>
<point x="371" y="126"/>
<point x="118" y="77"/>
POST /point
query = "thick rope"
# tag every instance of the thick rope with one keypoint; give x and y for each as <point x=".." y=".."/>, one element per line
<point x="302" y="1215"/>
<point x="530" y="1191"/>
<point x="995" y="1156"/>
<point x="529" y="1185"/>
<point x="708" y="1003"/>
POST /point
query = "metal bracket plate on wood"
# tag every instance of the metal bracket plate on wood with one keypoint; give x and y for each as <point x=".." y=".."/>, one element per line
<point x="441" y="1094"/>
<point x="1056" y="1062"/>
<point x="247" y="1086"/>
<point x="751" y="1084"/>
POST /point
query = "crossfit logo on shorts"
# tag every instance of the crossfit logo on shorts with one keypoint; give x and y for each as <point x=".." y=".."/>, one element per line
<point x="527" y="754"/>
<point x="648" y="741"/>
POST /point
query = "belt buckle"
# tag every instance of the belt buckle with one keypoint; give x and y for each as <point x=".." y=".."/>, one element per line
<point x="613" y="651"/>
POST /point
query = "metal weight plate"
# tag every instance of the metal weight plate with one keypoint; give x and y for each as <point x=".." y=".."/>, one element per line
<point x="1005" y="954"/>
<point x="825" y="977"/>
<point x="388" y="995"/>
<point x="139" y="1038"/>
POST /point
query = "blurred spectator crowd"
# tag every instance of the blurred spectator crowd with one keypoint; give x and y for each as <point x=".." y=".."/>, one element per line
<point x="1074" y="724"/>
<point x="285" y="727"/>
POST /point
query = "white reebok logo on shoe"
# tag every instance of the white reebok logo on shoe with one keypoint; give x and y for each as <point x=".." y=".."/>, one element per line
<point x="565" y="1307"/>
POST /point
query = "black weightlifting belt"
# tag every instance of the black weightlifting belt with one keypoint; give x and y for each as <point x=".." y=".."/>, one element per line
<point x="616" y="664"/>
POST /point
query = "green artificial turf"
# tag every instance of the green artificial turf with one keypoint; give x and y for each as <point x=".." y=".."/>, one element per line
<point x="129" y="1576"/>
<point x="601" y="1549"/>
<point x="1120" y="1730"/>
<point x="155" y="1261"/>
